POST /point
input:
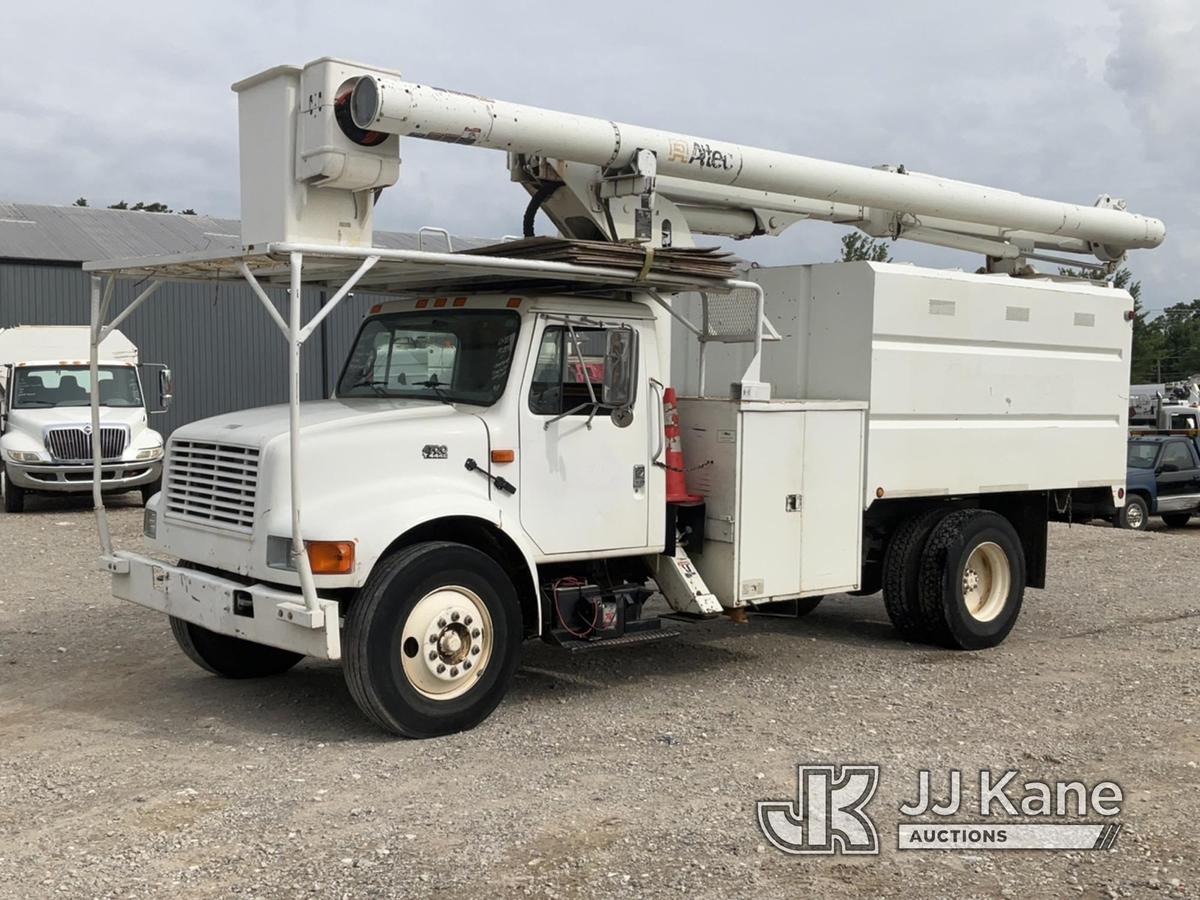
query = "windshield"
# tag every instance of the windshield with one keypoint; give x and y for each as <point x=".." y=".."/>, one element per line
<point x="1142" y="454"/>
<point x="462" y="356"/>
<point x="45" y="386"/>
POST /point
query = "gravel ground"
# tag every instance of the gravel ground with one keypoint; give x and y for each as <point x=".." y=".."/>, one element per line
<point x="125" y="771"/>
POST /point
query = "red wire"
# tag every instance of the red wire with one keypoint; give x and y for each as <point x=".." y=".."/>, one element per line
<point x="572" y="581"/>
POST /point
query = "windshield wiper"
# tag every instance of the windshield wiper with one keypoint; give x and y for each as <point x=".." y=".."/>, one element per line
<point x="376" y="386"/>
<point x="437" y="388"/>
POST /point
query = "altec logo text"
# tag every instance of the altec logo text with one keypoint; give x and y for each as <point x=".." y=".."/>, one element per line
<point x="829" y="815"/>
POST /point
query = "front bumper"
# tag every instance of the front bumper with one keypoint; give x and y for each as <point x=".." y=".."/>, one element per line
<point x="115" y="476"/>
<point x="258" y="613"/>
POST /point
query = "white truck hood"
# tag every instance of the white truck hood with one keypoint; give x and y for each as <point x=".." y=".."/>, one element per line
<point x="258" y="427"/>
<point x="40" y="417"/>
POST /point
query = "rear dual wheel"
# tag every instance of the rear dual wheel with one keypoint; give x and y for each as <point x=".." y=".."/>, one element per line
<point x="955" y="578"/>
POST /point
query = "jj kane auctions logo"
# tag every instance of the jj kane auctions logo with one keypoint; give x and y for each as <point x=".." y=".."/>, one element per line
<point x="829" y="814"/>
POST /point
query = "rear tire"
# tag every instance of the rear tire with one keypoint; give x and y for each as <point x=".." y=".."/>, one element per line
<point x="1176" y="520"/>
<point x="432" y="640"/>
<point x="901" y="572"/>
<point x="230" y="657"/>
<point x="1135" y="514"/>
<point x="972" y="579"/>
<point x="14" y="496"/>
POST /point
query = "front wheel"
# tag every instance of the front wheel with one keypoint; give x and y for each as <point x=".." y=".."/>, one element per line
<point x="972" y="579"/>
<point x="432" y="640"/>
<point x="228" y="656"/>
<point x="14" y="496"/>
<point x="1176" y="520"/>
<point x="149" y="490"/>
<point x="1134" y="514"/>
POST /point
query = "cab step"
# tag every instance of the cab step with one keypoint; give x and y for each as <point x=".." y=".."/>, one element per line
<point x="637" y="637"/>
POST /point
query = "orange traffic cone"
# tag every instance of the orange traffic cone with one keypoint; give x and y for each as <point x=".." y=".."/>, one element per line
<point x="676" y="482"/>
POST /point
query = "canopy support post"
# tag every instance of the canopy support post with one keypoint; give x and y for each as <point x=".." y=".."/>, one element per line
<point x="295" y="344"/>
<point x="95" y="336"/>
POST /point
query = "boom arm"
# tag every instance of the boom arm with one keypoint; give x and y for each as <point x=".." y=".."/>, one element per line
<point x="708" y="178"/>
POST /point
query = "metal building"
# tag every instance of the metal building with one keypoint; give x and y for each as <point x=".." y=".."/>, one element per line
<point x="221" y="362"/>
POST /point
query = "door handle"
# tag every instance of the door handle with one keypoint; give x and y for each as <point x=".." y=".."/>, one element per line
<point x="660" y="420"/>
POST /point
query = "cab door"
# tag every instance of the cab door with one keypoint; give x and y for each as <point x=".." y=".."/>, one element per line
<point x="1178" y="478"/>
<point x="584" y="471"/>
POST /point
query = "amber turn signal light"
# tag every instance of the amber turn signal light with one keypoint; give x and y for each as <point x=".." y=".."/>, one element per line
<point x="503" y="456"/>
<point x="331" y="557"/>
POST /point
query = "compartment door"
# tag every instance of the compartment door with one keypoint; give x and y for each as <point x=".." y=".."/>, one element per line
<point x="769" y="510"/>
<point x="830" y="552"/>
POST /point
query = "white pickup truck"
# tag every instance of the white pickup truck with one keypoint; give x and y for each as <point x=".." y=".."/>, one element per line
<point x="45" y="415"/>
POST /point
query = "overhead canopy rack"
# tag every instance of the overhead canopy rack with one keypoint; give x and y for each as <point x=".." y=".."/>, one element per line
<point x="566" y="266"/>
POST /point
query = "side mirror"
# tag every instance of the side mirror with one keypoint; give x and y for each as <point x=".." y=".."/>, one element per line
<point x="166" y="388"/>
<point x="166" y="385"/>
<point x="619" y="387"/>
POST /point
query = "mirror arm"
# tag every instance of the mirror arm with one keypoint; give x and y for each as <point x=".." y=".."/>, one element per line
<point x="571" y="412"/>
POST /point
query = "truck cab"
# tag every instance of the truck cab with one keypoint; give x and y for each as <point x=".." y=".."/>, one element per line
<point x="46" y="422"/>
<point x="1163" y="479"/>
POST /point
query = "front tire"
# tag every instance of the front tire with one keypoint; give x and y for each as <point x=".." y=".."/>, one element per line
<point x="972" y="580"/>
<point x="230" y="657"/>
<point x="1176" y="520"/>
<point x="14" y="496"/>
<point x="1135" y="514"/>
<point x="432" y="640"/>
<point x="149" y="490"/>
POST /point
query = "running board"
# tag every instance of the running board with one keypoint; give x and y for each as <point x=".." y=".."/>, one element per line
<point x="637" y="637"/>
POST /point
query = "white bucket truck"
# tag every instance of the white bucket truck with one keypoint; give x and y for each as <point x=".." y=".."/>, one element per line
<point x="46" y="425"/>
<point x="496" y="463"/>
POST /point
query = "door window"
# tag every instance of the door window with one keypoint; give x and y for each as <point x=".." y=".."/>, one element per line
<point x="568" y="362"/>
<point x="1176" y="458"/>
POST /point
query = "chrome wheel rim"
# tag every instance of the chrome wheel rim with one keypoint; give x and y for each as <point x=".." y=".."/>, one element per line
<point x="986" y="581"/>
<point x="1134" y="517"/>
<point x="446" y="643"/>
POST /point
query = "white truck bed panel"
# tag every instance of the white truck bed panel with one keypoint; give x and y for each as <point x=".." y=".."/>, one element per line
<point x="975" y="383"/>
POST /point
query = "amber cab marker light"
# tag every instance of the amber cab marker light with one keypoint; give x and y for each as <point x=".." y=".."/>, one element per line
<point x="514" y="302"/>
<point x="376" y="308"/>
<point x="439" y="302"/>
<point x="503" y="456"/>
<point x="422" y="303"/>
<point x="331" y="557"/>
<point x="460" y="301"/>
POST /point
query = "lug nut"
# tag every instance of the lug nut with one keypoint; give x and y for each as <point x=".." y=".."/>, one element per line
<point x="475" y="632"/>
<point x="433" y="654"/>
<point x="454" y="672"/>
<point x="453" y="617"/>
<point x="441" y="668"/>
<point x="433" y="639"/>
<point x="441" y="623"/>
<point x="475" y="650"/>
<point x="466" y="620"/>
<point x="466" y="664"/>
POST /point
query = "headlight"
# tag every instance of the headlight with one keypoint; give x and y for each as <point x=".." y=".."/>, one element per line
<point x="150" y="453"/>
<point x="24" y="455"/>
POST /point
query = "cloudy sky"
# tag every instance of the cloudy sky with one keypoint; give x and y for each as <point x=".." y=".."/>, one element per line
<point x="1064" y="100"/>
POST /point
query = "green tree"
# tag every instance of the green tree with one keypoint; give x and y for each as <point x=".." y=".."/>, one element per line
<point x="1179" y="350"/>
<point x="857" y="246"/>
<point x="81" y="201"/>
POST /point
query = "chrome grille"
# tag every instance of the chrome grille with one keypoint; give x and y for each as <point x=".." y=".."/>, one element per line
<point x="73" y="443"/>
<point x="212" y="483"/>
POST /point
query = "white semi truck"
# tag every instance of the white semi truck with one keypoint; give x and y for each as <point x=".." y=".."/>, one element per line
<point x="497" y="463"/>
<point x="45" y="422"/>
